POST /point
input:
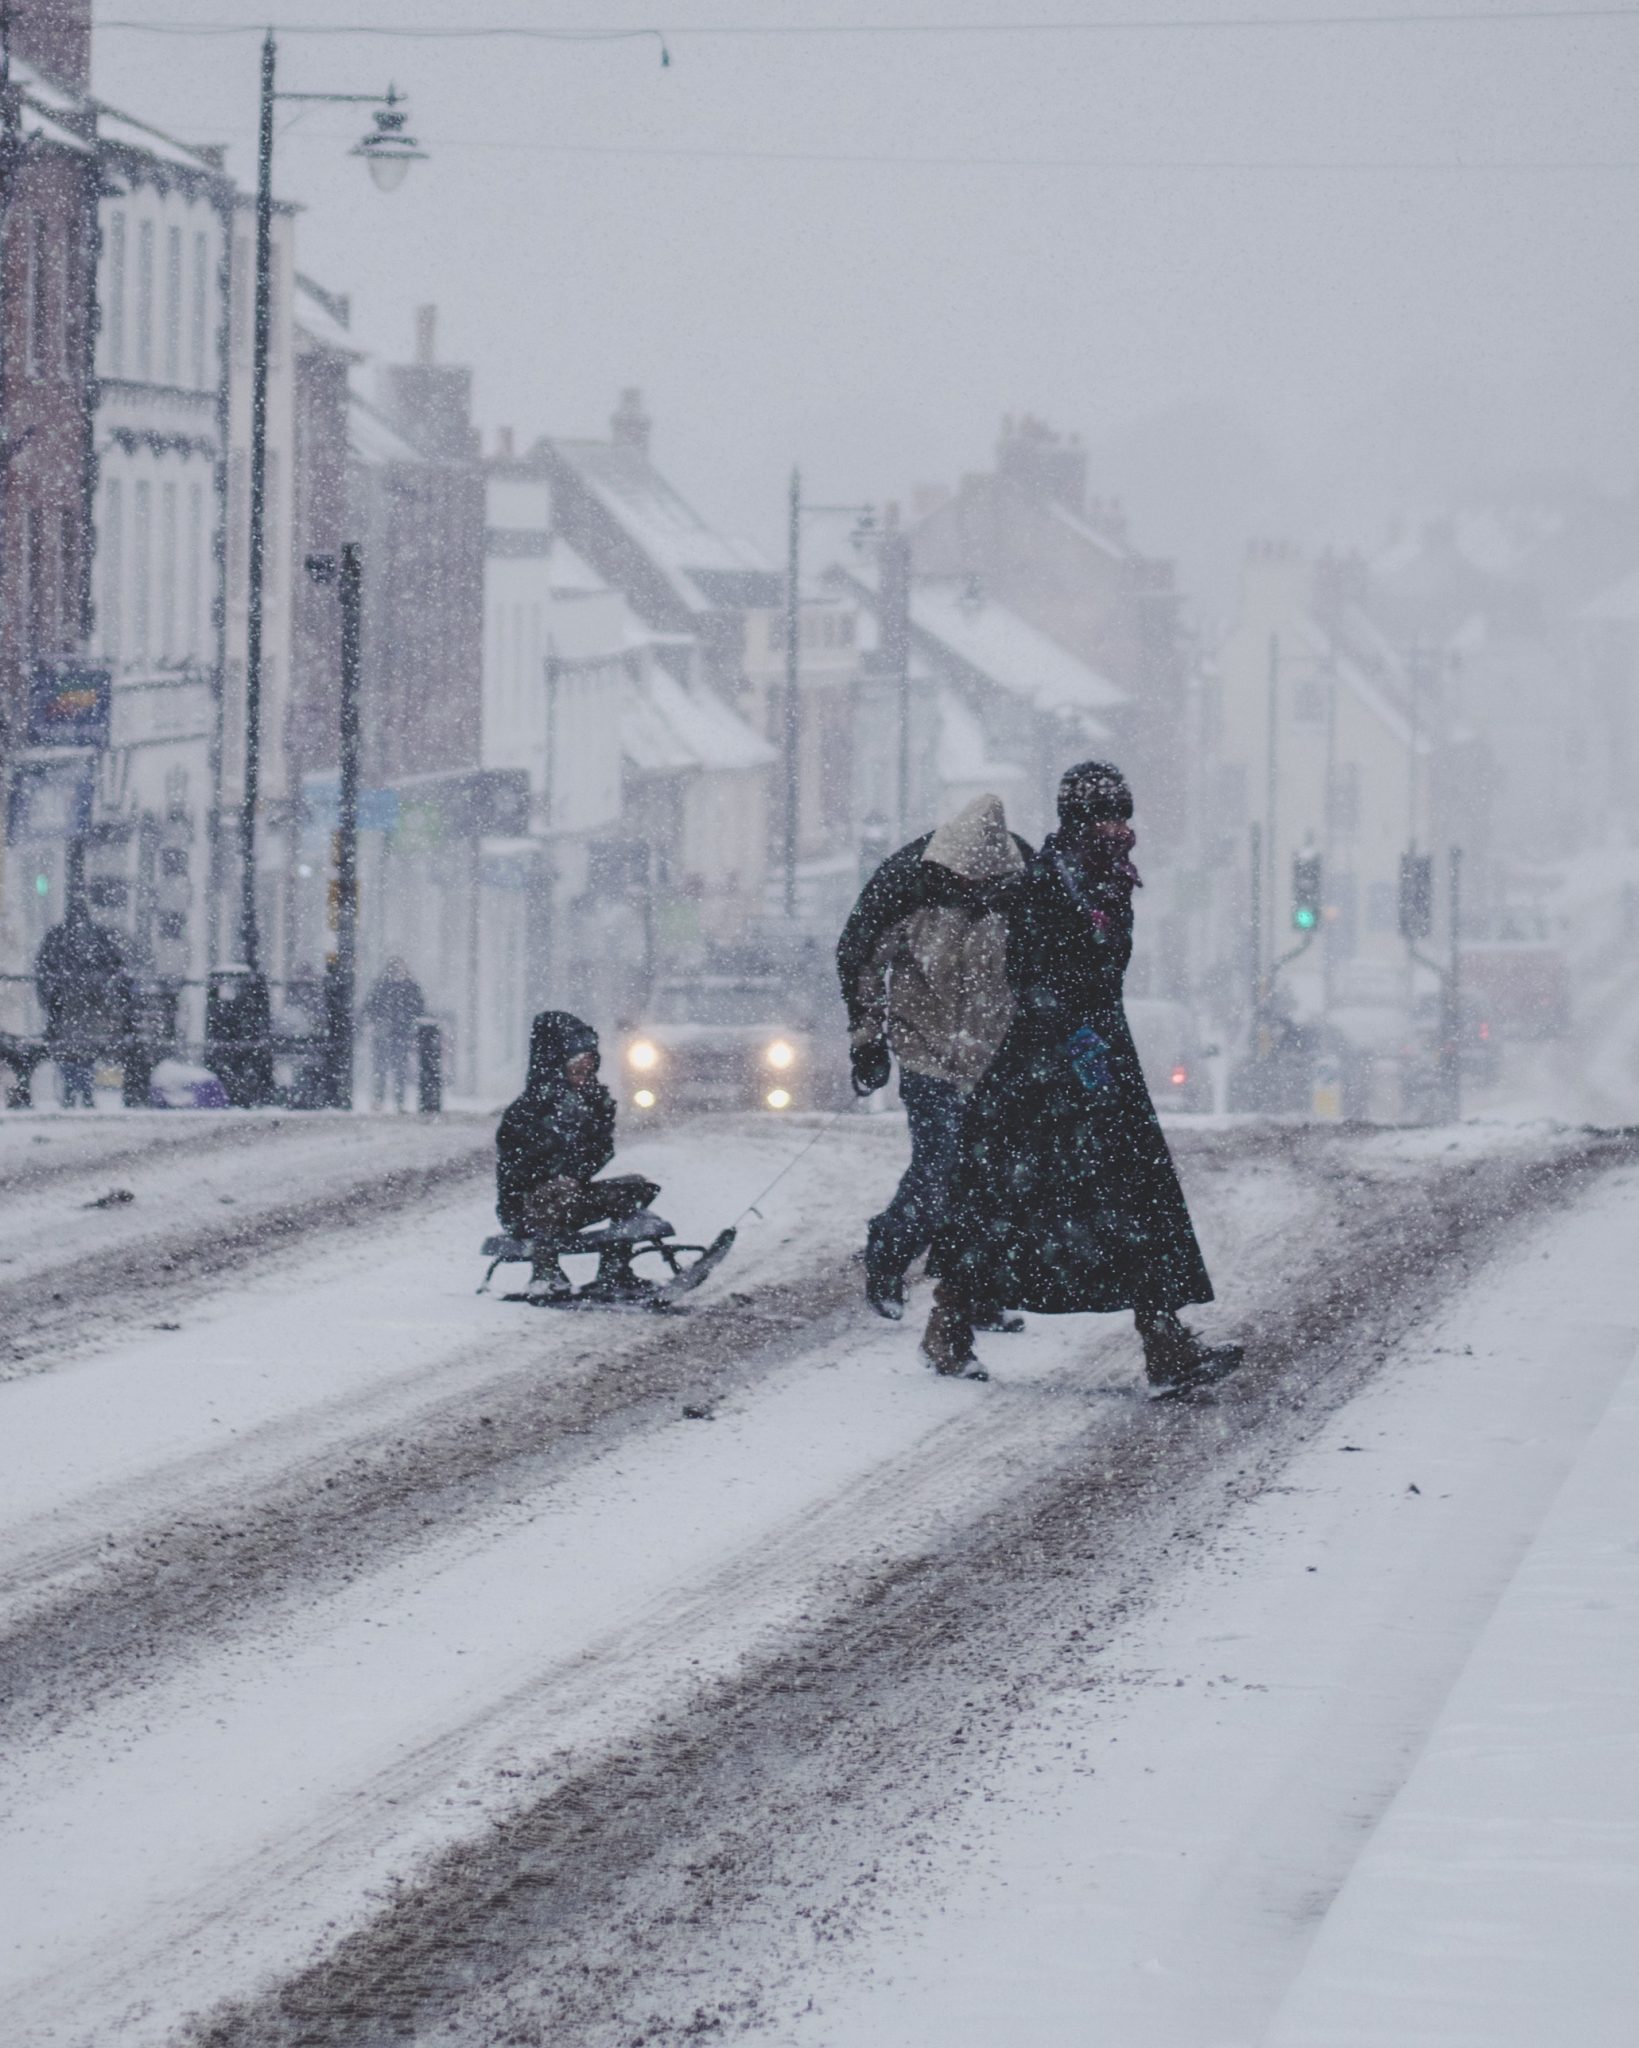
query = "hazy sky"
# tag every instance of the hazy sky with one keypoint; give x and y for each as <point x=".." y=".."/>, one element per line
<point x="874" y="319"/>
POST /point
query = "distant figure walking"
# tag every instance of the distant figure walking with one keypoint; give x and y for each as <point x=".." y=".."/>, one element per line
<point x="80" y="978"/>
<point x="1066" y="1199"/>
<point x="923" y="966"/>
<point x="392" y="1010"/>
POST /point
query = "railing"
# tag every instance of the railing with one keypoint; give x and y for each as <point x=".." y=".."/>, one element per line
<point x="256" y="1064"/>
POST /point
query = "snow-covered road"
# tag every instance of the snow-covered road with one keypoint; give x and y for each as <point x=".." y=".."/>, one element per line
<point x="393" y="1664"/>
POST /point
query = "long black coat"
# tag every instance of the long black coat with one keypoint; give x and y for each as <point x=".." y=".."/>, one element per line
<point x="1067" y="1199"/>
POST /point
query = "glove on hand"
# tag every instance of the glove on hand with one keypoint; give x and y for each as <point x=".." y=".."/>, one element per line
<point x="871" y="1067"/>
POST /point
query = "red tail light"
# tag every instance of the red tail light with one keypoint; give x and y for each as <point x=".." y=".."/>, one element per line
<point x="1179" y="1076"/>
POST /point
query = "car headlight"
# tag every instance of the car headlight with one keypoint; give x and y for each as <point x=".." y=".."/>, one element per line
<point x="643" y="1055"/>
<point x="777" y="1098"/>
<point x="780" y="1055"/>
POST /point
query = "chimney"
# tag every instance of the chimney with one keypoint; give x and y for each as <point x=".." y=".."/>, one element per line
<point x="54" y="36"/>
<point x="426" y="334"/>
<point x="630" y="425"/>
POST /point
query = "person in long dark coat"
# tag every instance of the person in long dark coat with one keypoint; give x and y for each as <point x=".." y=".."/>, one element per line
<point x="1066" y="1199"/>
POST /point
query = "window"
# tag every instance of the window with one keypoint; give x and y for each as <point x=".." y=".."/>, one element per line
<point x="196" y="571"/>
<point x="173" y="306"/>
<point x="34" y="593"/>
<point x="68" y="549"/>
<point x="112" y="620"/>
<point x="142" y="543"/>
<point x="167" y="572"/>
<point x="116" y="293"/>
<point x="242" y="289"/>
<point x="145" y="300"/>
<point x="39" y="297"/>
<point x="198" y="332"/>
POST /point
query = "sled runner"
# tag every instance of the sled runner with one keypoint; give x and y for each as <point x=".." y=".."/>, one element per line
<point x="615" y="1285"/>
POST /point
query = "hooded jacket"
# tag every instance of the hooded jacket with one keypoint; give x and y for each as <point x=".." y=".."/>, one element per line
<point x="554" y="1130"/>
<point x="923" y="958"/>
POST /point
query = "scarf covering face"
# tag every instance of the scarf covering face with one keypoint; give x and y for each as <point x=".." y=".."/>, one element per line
<point x="1093" y="846"/>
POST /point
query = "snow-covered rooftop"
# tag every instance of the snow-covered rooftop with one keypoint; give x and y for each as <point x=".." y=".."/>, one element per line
<point x="662" y="524"/>
<point x="670" y="728"/>
<point x="317" y="315"/>
<point x="992" y="641"/>
<point x="1008" y="649"/>
<point x="371" y="438"/>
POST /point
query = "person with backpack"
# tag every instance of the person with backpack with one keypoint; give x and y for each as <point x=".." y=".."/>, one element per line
<point x="922" y="962"/>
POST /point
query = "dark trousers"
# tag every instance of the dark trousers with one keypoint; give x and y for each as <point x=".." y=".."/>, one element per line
<point x="390" y="1063"/>
<point x="906" y="1228"/>
<point x="76" y="1075"/>
<point x="557" y="1209"/>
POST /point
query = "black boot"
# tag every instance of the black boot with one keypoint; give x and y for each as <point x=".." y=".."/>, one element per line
<point x="884" y="1284"/>
<point x="548" y="1282"/>
<point x="1175" y="1358"/>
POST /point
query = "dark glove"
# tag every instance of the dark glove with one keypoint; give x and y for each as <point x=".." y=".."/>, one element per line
<point x="871" y="1067"/>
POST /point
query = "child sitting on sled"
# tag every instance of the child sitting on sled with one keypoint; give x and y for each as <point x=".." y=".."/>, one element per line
<point x="553" y="1141"/>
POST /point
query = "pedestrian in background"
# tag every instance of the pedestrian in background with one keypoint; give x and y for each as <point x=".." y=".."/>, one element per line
<point x="85" y="992"/>
<point x="923" y="966"/>
<point x="1066" y="1200"/>
<point x="392" y="1010"/>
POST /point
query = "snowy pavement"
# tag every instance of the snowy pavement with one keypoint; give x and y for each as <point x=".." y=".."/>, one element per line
<point x="1368" y="1776"/>
<point x="391" y="1663"/>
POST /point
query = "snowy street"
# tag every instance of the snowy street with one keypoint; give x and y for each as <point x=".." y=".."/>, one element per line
<point x="384" y="1662"/>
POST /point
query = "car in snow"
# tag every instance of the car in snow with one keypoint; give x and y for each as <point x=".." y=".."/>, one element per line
<point x="1171" y="1053"/>
<point x="723" y="1041"/>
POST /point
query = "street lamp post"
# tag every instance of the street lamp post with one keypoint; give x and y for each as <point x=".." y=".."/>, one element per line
<point x="388" y="152"/>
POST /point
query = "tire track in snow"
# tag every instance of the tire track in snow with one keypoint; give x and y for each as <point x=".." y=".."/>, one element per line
<point x="83" y="1621"/>
<point x="619" y="1906"/>
<point x="76" y="1301"/>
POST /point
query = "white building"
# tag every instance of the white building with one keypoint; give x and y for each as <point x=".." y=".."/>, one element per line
<point x="159" y="437"/>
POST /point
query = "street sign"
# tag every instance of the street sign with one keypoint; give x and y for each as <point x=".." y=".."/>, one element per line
<point x="69" y="705"/>
<point x="49" y="800"/>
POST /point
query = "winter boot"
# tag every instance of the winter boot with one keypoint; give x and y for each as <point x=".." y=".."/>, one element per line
<point x="884" y="1287"/>
<point x="548" y="1282"/>
<point x="947" y="1343"/>
<point x="614" y="1283"/>
<point x="997" y="1321"/>
<point x="1175" y="1358"/>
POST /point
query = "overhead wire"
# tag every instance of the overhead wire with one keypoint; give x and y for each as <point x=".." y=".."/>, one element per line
<point x="777" y="31"/>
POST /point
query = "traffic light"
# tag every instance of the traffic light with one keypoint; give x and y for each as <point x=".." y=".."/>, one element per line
<point x="1416" y="895"/>
<point x="1305" y="891"/>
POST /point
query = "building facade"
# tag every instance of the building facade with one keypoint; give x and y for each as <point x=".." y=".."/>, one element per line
<point x="48" y="184"/>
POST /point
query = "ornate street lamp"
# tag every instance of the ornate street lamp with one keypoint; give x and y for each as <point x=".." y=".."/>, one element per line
<point x="389" y="152"/>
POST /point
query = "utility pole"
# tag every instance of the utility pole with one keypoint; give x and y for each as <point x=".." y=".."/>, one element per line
<point x="1271" y="832"/>
<point x="792" y="721"/>
<point x="894" y="583"/>
<point x="1254" y="951"/>
<point x="250" y="948"/>
<point x="1453" y="1004"/>
<point x="11" y="153"/>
